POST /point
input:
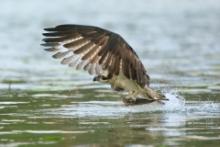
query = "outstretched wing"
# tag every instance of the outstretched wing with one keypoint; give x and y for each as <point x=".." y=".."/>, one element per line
<point x="95" y="50"/>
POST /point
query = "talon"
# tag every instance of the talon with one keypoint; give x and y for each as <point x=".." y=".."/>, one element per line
<point x="129" y="101"/>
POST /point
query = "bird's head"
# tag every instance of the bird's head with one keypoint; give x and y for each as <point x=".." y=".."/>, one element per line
<point x="97" y="78"/>
<point x="101" y="78"/>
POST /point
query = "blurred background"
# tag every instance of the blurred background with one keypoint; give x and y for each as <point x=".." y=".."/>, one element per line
<point x="45" y="103"/>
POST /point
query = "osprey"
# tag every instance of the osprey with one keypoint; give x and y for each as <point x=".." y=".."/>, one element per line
<point x="102" y="53"/>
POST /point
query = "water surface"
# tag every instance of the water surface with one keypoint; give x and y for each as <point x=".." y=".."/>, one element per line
<point x="43" y="103"/>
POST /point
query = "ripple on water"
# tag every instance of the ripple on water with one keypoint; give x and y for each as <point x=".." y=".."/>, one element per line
<point x="8" y="104"/>
<point x="44" y="132"/>
<point x="11" y="103"/>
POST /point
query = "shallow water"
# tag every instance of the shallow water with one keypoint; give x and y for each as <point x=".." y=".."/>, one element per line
<point x="43" y="103"/>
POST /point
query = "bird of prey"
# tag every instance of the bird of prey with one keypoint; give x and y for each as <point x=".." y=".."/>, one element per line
<point x="104" y="54"/>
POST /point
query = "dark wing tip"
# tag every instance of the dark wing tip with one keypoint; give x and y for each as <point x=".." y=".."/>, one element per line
<point x="43" y="44"/>
<point x="66" y="26"/>
<point x="49" y="29"/>
<point x="47" y="40"/>
<point x="47" y="34"/>
<point x="60" y="27"/>
<point x="48" y="44"/>
<point x="51" y="49"/>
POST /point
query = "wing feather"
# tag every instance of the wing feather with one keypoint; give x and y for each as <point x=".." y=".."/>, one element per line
<point x="59" y="55"/>
<point x="84" y="48"/>
<point x="67" y="60"/>
<point x="77" y="43"/>
<point x="51" y="49"/>
<point x="90" y="52"/>
<point x="95" y="50"/>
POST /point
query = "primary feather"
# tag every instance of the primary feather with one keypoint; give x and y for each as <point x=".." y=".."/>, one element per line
<point x="95" y="50"/>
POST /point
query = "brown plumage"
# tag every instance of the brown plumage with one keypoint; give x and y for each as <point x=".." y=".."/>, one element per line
<point x="98" y="51"/>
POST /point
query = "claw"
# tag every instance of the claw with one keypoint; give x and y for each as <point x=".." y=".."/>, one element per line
<point x="129" y="101"/>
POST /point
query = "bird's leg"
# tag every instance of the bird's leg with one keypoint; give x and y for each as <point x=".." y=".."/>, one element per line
<point x="130" y="99"/>
<point x="149" y="96"/>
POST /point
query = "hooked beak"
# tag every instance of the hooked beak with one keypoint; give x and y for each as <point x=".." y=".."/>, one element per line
<point x="95" y="79"/>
